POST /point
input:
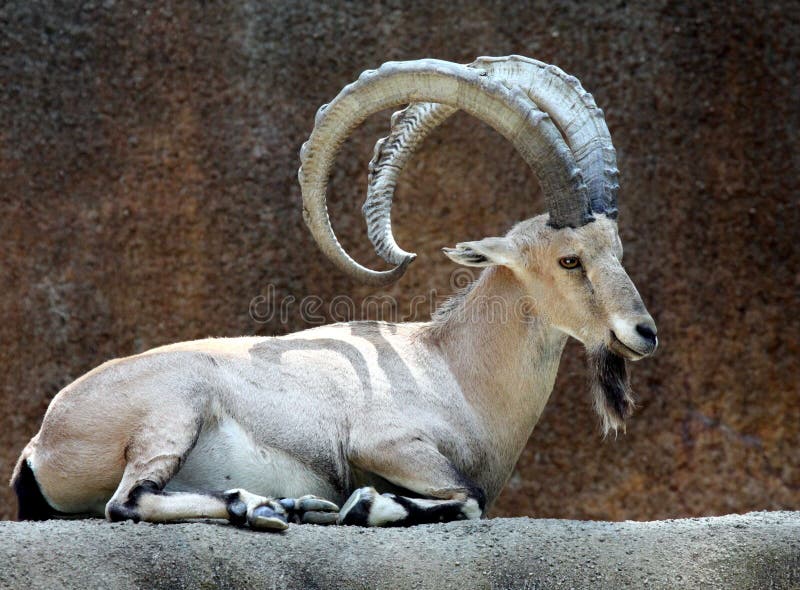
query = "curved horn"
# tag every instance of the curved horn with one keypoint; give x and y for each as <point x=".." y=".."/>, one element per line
<point x="507" y="109"/>
<point x="409" y="128"/>
<point x="560" y="95"/>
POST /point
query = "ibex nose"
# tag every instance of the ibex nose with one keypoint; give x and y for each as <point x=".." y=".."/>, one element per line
<point x="647" y="330"/>
<point x="636" y="336"/>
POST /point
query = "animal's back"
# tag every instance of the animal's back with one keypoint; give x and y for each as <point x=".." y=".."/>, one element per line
<point x="242" y="396"/>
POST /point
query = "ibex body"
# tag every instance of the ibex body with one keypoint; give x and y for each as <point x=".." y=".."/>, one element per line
<point x="407" y="423"/>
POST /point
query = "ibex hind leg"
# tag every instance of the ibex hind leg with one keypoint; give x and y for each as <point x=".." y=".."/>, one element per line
<point x="153" y="459"/>
<point x="149" y="503"/>
<point x="140" y="495"/>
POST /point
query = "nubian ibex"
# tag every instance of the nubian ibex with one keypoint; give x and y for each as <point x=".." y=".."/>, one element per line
<point x="405" y="423"/>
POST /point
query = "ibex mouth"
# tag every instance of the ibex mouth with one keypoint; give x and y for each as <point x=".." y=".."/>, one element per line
<point x="624" y="350"/>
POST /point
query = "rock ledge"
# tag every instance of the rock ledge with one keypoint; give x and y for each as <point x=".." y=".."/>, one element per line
<point x="756" y="550"/>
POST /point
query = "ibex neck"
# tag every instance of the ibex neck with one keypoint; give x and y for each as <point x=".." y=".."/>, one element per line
<point x="504" y="355"/>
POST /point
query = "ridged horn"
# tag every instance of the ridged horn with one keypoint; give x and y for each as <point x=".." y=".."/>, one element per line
<point x="505" y="108"/>
<point x="560" y="95"/>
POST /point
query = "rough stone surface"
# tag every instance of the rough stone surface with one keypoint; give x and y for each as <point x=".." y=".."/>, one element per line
<point x="753" y="551"/>
<point x="148" y="154"/>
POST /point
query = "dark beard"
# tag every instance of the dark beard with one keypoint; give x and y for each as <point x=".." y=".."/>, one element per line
<point x="611" y="388"/>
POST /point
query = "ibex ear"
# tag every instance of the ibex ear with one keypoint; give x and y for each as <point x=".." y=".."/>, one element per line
<point x="485" y="252"/>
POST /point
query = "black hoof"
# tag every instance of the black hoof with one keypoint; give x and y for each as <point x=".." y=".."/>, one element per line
<point x="265" y="518"/>
<point x="310" y="510"/>
<point x="237" y="511"/>
<point x="356" y="510"/>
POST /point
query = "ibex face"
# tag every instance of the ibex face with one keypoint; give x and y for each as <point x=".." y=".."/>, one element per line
<point x="575" y="279"/>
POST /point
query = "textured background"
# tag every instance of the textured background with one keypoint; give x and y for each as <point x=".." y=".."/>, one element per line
<point x="148" y="194"/>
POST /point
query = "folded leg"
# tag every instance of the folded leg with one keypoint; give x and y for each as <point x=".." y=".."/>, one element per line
<point x="147" y="502"/>
<point x="154" y="461"/>
<point x="446" y="493"/>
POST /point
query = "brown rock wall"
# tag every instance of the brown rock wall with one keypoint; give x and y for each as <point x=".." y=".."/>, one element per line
<point x="148" y="154"/>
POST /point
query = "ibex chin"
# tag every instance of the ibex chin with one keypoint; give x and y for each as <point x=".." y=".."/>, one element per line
<point x="404" y="423"/>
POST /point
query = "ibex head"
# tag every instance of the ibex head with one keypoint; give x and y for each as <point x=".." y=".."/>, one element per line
<point x="576" y="281"/>
<point x="569" y="260"/>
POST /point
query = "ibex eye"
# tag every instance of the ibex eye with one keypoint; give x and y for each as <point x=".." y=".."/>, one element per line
<point x="570" y="262"/>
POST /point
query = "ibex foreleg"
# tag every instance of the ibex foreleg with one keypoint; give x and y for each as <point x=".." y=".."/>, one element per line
<point x="447" y="494"/>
